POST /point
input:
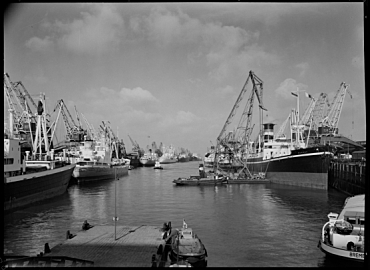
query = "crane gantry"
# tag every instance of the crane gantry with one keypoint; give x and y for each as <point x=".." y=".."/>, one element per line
<point x="234" y="144"/>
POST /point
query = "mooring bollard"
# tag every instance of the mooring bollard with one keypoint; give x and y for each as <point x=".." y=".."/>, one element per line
<point x="154" y="261"/>
<point x="47" y="248"/>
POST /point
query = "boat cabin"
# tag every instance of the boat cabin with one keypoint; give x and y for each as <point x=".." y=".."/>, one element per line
<point x="187" y="233"/>
<point x="12" y="157"/>
<point x="355" y="218"/>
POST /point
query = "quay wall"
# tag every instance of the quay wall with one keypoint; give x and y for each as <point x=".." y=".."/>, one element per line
<point x="347" y="177"/>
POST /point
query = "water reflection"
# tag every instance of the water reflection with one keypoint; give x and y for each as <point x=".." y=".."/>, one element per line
<point x="260" y="225"/>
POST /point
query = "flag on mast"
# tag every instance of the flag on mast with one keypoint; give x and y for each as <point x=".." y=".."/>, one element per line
<point x="308" y="95"/>
<point x="294" y="94"/>
<point x="184" y="225"/>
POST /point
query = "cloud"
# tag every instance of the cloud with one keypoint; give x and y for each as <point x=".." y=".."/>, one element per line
<point x="227" y="90"/>
<point x="288" y="86"/>
<point x="97" y="31"/>
<point x="303" y="67"/>
<point x="181" y="118"/>
<point x="136" y="95"/>
<point x="121" y="102"/>
<point x="40" y="45"/>
<point x="227" y="50"/>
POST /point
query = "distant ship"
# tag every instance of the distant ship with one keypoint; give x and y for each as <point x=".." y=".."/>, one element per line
<point x="183" y="158"/>
<point x="148" y="159"/>
<point x="96" y="162"/>
<point x="168" y="155"/>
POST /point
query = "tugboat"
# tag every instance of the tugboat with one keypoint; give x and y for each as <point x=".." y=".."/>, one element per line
<point x="186" y="248"/>
<point x="157" y="166"/>
<point x="343" y="236"/>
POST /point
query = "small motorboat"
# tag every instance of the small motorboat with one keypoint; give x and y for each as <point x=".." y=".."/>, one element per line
<point x="186" y="248"/>
<point x="343" y="236"/>
<point x="198" y="181"/>
<point x="157" y="166"/>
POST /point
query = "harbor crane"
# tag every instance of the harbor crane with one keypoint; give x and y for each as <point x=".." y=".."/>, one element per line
<point x="233" y="145"/>
<point x="280" y="134"/>
<point x="330" y="122"/>
<point x="72" y="129"/>
<point x="19" y="102"/>
<point x="90" y="129"/>
<point x="307" y="115"/>
<point x="320" y="110"/>
<point x="135" y="145"/>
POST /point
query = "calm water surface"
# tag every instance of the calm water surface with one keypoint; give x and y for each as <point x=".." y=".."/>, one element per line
<point x="259" y="225"/>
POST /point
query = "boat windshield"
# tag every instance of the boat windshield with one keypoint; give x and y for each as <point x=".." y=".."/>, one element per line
<point x="82" y="163"/>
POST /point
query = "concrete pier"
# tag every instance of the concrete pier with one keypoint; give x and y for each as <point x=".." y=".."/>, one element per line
<point x="134" y="246"/>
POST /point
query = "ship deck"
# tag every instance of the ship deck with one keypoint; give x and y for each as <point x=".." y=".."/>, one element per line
<point x="134" y="246"/>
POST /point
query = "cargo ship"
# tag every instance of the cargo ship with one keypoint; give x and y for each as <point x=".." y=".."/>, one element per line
<point x="148" y="159"/>
<point x="96" y="162"/>
<point x="301" y="160"/>
<point x="23" y="186"/>
<point x="168" y="155"/>
<point x="35" y="177"/>
<point x="285" y="163"/>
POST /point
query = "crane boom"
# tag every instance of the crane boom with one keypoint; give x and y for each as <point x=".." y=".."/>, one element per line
<point x="332" y="119"/>
<point x="306" y="117"/>
<point x="234" y="144"/>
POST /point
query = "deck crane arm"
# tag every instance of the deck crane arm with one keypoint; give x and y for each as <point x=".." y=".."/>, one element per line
<point x="281" y="130"/>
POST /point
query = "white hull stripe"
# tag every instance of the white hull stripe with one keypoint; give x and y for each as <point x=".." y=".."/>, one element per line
<point x="289" y="157"/>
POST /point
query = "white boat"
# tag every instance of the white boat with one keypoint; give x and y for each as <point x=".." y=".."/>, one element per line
<point x="158" y="166"/>
<point x="343" y="235"/>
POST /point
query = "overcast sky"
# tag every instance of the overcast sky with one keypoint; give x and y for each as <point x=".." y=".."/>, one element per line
<point x="174" y="71"/>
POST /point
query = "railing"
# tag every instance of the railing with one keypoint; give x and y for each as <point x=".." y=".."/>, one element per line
<point x="47" y="261"/>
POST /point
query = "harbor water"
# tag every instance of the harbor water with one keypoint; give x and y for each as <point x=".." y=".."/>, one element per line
<point x="256" y="225"/>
